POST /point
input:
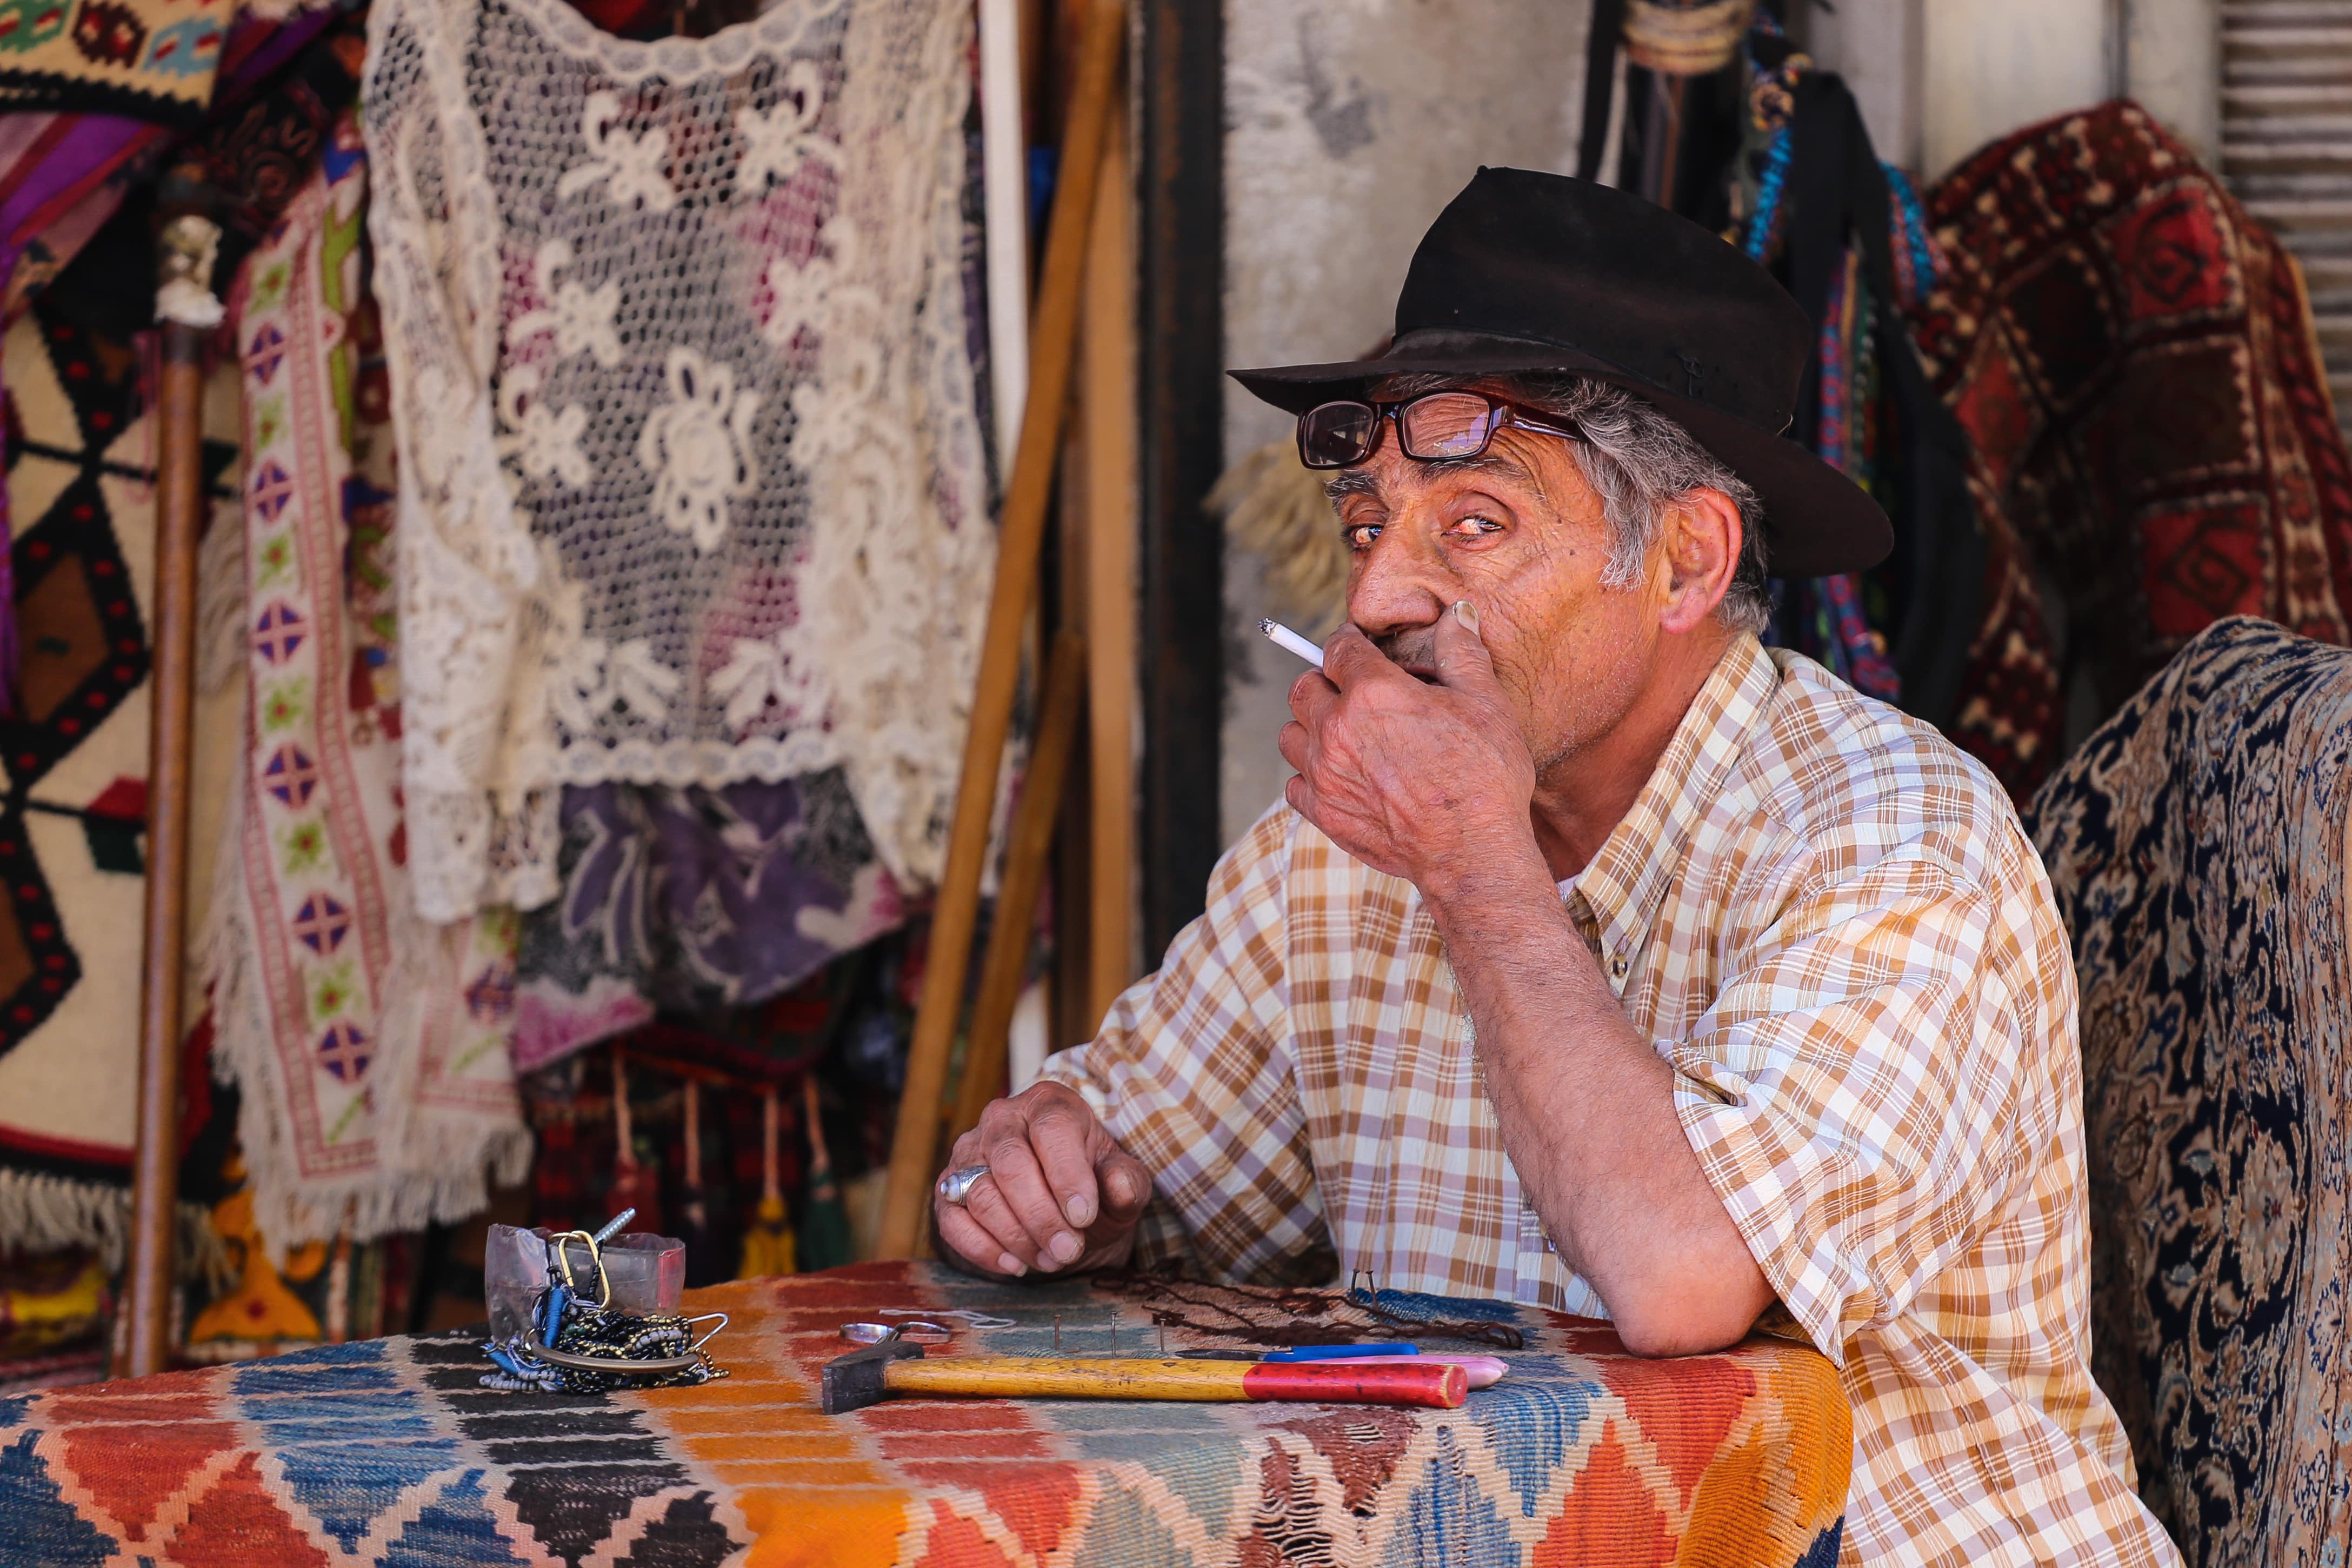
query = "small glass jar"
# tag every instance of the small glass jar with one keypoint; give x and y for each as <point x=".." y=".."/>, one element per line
<point x="646" y="1274"/>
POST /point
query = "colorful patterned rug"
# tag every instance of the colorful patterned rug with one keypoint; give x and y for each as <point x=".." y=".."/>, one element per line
<point x="74" y="765"/>
<point x="369" y="1045"/>
<point x="2198" y="844"/>
<point x="2132" y="356"/>
<point x="388" y="1452"/>
<point x="151" y="59"/>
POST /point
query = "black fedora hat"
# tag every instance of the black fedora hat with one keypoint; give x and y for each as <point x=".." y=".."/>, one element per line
<point x="1541" y="273"/>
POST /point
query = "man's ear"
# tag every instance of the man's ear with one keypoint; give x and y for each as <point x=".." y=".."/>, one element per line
<point x="1703" y="537"/>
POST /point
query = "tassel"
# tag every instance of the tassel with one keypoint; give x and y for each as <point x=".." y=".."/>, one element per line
<point x="825" y="1222"/>
<point x="634" y="1185"/>
<point x="694" y="1220"/>
<point x="768" y="1240"/>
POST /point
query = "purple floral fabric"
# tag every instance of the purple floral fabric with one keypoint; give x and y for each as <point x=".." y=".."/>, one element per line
<point x="692" y="899"/>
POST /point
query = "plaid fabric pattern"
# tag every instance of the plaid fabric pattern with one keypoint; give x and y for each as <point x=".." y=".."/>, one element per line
<point x="1831" y="923"/>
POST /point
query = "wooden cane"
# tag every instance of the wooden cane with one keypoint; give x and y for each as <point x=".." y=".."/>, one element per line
<point x="144" y="1346"/>
<point x="1052" y="341"/>
<point x="1026" y="851"/>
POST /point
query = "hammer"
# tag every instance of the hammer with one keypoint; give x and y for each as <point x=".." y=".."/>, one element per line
<point x="862" y="1378"/>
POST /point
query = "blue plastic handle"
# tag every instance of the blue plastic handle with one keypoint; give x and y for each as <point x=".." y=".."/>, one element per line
<point x="1332" y="1352"/>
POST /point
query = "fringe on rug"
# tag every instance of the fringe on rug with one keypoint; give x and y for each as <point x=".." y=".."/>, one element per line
<point x="45" y="1213"/>
<point x="429" y="1168"/>
<point x="1274" y="505"/>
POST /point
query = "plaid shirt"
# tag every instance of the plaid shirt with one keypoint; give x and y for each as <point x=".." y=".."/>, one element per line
<point x="1833" y="928"/>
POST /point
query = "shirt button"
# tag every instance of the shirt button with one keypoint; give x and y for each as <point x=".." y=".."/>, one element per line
<point x="1617" y="965"/>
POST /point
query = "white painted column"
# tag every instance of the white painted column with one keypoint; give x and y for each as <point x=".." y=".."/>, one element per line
<point x="1991" y="65"/>
<point x="1879" y="47"/>
<point x="2172" y="65"/>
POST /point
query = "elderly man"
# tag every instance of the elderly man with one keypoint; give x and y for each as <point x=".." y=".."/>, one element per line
<point x="1600" y="957"/>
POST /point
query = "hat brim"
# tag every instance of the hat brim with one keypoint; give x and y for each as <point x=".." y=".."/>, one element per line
<point x="1817" y="522"/>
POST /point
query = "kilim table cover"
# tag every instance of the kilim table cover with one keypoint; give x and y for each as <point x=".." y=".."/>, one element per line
<point x="387" y="1453"/>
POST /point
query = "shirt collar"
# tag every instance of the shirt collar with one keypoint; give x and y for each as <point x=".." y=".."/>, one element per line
<point x="1627" y="881"/>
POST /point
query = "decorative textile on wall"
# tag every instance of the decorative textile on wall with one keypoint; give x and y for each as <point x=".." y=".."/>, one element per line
<point x="2198" y="847"/>
<point x="63" y="175"/>
<point x="387" y="1450"/>
<point x="694" y="481"/>
<point x="693" y="900"/>
<point x="153" y="59"/>
<point x="81" y="475"/>
<point x="368" y="1046"/>
<point x="2132" y="354"/>
<point x="1845" y="234"/>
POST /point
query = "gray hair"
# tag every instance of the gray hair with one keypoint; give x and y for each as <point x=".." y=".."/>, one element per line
<point x="1638" y="461"/>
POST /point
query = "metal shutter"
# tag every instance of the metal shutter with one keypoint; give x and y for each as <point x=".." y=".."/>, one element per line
<point x="2286" y="149"/>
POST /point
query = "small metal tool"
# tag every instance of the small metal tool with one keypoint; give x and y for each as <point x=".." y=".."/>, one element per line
<point x="969" y="1318"/>
<point x="916" y="1332"/>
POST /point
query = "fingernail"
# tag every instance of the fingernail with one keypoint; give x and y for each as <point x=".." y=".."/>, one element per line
<point x="1466" y="612"/>
<point x="1081" y="1210"/>
<point x="1064" y="1247"/>
<point x="1006" y="1263"/>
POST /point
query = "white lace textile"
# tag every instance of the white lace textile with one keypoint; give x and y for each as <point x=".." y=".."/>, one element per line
<point x="693" y="489"/>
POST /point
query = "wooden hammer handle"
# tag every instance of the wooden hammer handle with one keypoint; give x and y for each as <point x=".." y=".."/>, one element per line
<point x="1440" y="1386"/>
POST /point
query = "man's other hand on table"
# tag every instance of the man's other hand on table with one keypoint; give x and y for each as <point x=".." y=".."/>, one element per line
<point x="1059" y="1197"/>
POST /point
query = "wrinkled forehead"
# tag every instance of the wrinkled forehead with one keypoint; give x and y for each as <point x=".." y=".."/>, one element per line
<point x="1391" y="477"/>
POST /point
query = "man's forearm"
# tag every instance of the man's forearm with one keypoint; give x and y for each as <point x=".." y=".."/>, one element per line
<point x="1587" y="1113"/>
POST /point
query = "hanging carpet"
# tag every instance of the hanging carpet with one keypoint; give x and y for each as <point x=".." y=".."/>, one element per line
<point x="81" y="476"/>
<point x="693" y="486"/>
<point x="2197" y="845"/>
<point x="154" y="59"/>
<point x="80" y="488"/>
<point x="2132" y="356"/>
<point x="368" y="1046"/>
<point x="63" y="175"/>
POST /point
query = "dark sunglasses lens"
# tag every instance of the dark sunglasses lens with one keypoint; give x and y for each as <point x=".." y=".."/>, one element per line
<point x="1447" y="424"/>
<point x="1337" y="434"/>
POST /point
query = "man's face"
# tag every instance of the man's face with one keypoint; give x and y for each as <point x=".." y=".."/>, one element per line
<point x="1520" y="534"/>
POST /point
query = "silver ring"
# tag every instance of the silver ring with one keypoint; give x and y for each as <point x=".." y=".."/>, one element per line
<point x="956" y="1185"/>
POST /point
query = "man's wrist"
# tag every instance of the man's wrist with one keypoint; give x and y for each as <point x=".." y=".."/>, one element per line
<point x="1470" y="884"/>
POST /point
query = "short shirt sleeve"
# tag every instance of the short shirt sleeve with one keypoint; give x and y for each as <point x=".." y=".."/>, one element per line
<point x="1880" y="1072"/>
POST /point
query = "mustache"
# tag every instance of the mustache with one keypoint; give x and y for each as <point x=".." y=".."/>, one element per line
<point x="1413" y="649"/>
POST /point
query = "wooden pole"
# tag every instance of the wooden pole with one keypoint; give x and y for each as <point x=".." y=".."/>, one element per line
<point x="1027" y="852"/>
<point x="1179" y="390"/>
<point x="1052" y="340"/>
<point x="1108" y="406"/>
<point x="144" y="1346"/>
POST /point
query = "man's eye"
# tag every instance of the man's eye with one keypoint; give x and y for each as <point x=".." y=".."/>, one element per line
<point x="1475" y="527"/>
<point x="1360" y="536"/>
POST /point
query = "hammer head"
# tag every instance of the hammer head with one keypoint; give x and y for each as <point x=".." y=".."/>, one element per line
<point x="853" y="1382"/>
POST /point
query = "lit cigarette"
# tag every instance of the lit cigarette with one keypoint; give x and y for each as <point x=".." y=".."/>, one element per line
<point x="1283" y="637"/>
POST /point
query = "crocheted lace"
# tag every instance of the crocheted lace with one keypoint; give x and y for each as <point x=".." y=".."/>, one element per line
<point x="692" y="483"/>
